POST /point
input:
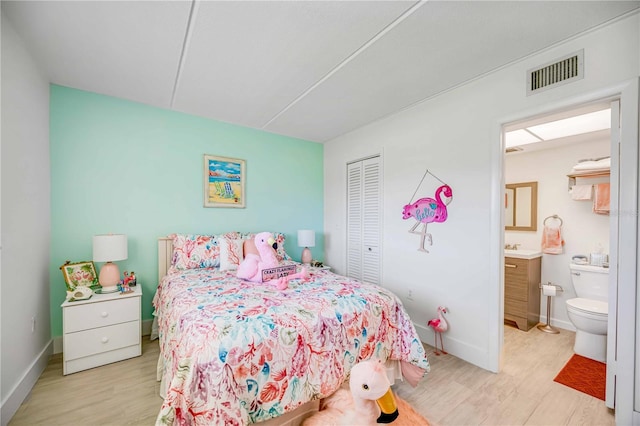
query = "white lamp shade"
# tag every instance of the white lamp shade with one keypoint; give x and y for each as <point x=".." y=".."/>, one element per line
<point x="306" y="238"/>
<point x="109" y="248"/>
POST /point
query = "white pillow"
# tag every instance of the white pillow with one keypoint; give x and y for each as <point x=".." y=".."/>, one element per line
<point x="230" y="253"/>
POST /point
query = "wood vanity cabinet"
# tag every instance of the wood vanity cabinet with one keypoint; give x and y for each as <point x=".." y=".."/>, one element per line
<point x="522" y="291"/>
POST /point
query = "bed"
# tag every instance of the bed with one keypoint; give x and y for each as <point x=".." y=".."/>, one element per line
<point x="234" y="352"/>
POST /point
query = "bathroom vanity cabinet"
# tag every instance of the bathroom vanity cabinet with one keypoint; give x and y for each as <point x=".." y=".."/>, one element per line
<point x="522" y="291"/>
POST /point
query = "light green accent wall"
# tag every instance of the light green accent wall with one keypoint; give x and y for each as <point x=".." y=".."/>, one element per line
<point x="122" y="167"/>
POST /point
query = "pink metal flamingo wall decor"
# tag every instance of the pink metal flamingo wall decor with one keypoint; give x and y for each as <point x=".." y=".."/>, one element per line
<point x="427" y="210"/>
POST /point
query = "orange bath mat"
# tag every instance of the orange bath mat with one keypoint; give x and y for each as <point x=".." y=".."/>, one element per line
<point x="585" y="375"/>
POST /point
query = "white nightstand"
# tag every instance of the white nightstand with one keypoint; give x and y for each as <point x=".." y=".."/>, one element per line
<point x="103" y="329"/>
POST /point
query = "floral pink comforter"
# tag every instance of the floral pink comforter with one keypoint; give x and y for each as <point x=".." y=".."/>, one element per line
<point x="236" y="352"/>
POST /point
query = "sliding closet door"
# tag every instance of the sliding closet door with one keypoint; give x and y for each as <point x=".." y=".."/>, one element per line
<point x="363" y="220"/>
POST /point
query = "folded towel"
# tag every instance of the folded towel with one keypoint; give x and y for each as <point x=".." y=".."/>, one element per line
<point x="587" y="172"/>
<point x="598" y="164"/>
<point x="601" y="198"/>
<point x="552" y="241"/>
<point x="581" y="192"/>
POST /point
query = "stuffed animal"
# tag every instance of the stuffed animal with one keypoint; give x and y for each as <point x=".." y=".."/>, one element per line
<point x="251" y="267"/>
<point x="368" y="401"/>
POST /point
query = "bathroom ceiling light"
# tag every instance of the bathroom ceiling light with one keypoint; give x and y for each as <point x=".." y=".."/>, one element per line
<point x="586" y="123"/>
<point x="520" y="137"/>
<point x="577" y="125"/>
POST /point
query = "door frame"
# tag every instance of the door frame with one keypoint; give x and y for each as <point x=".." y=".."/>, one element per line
<point x="628" y="337"/>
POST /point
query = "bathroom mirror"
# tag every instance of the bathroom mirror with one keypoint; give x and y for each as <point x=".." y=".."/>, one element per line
<point x="521" y="206"/>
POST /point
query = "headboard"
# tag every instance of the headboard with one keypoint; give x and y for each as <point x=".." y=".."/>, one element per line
<point x="165" y="253"/>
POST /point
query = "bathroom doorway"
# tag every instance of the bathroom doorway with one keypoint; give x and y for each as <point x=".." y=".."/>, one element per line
<point x="550" y="149"/>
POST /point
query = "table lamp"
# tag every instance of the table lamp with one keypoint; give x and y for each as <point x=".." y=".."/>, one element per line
<point x="109" y="248"/>
<point x="306" y="239"/>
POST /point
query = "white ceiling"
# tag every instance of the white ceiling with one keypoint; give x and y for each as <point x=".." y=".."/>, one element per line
<point x="308" y="69"/>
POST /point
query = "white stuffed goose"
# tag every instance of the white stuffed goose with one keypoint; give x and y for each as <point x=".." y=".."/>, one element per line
<point x="369" y="401"/>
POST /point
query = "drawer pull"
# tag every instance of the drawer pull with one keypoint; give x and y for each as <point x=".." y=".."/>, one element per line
<point x="508" y="265"/>
<point x="105" y="339"/>
<point x="104" y="314"/>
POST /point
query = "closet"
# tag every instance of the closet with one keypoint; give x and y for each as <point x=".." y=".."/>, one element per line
<point x="364" y="188"/>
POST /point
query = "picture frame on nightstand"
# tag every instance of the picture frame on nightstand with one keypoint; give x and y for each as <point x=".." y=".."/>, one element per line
<point x="79" y="274"/>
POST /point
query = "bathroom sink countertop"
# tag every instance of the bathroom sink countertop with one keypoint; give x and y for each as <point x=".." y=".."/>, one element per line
<point x="523" y="253"/>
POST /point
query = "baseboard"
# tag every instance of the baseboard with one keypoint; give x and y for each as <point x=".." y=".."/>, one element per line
<point x="472" y="354"/>
<point x="565" y="325"/>
<point x="21" y="390"/>
<point x="146" y="327"/>
<point x="57" y="345"/>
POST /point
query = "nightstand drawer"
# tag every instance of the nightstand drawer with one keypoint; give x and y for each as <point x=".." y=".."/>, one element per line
<point x="101" y="314"/>
<point x="103" y="339"/>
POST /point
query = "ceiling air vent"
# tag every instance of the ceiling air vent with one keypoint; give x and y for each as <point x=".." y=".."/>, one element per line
<point x="556" y="73"/>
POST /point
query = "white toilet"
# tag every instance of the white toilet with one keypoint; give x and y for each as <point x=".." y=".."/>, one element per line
<point x="588" y="312"/>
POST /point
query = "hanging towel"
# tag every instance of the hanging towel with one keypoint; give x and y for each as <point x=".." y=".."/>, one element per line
<point x="552" y="241"/>
<point x="581" y="192"/>
<point x="601" y="197"/>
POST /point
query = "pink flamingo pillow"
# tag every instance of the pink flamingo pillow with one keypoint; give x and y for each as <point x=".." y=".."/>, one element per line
<point x="251" y="267"/>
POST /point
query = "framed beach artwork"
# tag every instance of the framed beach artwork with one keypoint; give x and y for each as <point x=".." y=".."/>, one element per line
<point x="224" y="180"/>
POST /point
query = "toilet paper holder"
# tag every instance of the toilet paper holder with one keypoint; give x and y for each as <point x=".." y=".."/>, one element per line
<point x="556" y="290"/>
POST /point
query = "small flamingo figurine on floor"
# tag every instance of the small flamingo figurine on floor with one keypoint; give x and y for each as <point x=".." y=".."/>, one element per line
<point x="439" y="326"/>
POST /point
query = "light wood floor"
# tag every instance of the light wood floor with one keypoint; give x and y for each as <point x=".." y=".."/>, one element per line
<point x="454" y="393"/>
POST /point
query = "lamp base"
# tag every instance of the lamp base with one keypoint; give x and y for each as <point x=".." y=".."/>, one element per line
<point x="306" y="256"/>
<point x="109" y="277"/>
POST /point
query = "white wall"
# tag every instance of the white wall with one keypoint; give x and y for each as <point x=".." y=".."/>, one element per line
<point x="456" y="136"/>
<point x="25" y="223"/>
<point x="582" y="229"/>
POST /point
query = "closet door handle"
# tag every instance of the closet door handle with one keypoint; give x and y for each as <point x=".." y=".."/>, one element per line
<point x="508" y="265"/>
